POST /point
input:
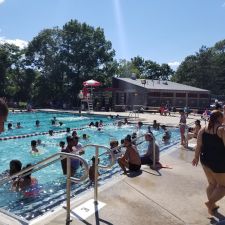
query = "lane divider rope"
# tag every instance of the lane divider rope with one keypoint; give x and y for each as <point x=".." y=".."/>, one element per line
<point x="42" y="133"/>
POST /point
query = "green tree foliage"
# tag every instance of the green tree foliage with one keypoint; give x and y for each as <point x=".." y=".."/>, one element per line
<point x="144" y="69"/>
<point x="15" y="79"/>
<point x="66" y="57"/>
<point x="9" y="55"/>
<point x="205" y="69"/>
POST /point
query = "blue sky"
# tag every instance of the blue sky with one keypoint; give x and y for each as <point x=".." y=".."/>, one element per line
<point x="165" y="31"/>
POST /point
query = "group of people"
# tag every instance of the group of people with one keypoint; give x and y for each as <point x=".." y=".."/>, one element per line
<point x="132" y="160"/>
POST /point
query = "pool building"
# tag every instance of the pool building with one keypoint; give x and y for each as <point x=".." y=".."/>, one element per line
<point x="130" y="92"/>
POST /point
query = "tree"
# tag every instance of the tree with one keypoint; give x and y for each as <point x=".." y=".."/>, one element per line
<point x="66" y="57"/>
<point x="9" y="57"/>
<point x="205" y="69"/>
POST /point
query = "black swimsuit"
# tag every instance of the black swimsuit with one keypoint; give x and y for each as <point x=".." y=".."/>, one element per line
<point x="213" y="152"/>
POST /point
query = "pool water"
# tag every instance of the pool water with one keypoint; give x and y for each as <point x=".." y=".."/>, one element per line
<point x="51" y="182"/>
<point x="27" y="121"/>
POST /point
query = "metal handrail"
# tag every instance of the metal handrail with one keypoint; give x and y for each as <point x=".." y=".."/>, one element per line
<point x="40" y="165"/>
<point x="112" y="161"/>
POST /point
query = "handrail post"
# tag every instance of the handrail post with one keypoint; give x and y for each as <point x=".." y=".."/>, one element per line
<point x="68" y="189"/>
<point x="96" y="175"/>
<point x="154" y="166"/>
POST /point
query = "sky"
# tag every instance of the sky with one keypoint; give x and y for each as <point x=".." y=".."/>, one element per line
<point x="164" y="31"/>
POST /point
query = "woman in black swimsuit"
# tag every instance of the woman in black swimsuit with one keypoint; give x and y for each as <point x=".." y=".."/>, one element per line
<point x="211" y="151"/>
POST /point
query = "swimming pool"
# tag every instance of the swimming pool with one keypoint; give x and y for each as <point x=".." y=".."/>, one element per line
<point x="51" y="182"/>
<point x="27" y="121"/>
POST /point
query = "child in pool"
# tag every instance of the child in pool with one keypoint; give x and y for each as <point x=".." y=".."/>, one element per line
<point x="34" y="147"/>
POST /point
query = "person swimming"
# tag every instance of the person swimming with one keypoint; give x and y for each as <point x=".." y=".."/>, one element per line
<point x="51" y="132"/>
<point x="91" y="124"/>
<point x="37" y="123"/>
<point x="34" y="146"/>
<point x="28" y="184"/>
<point x="85" y="136"/>
<point x="74" y="133"/>
<point x="9" y="126"/>
<point x="18" y="125"/>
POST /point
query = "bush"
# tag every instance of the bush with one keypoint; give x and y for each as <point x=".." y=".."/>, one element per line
<point x="22" y="105"/>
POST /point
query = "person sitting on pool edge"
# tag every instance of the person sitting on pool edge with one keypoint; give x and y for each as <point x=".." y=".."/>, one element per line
<point x="147" y="158"/>
<point x="193" y="131"/>
<point x="131" y="158"/>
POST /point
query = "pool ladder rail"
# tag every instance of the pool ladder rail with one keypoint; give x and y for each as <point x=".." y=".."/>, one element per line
<point x="59" y="156"/>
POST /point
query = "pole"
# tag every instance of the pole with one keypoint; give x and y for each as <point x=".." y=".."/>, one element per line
<point x="154" y="153"/>
<point x="68" y="187"/>
<point x="80" y="107"/>
<point x="96" y="176"/>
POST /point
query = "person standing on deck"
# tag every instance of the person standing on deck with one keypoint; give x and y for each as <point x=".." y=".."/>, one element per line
<point x="3" y="114"/>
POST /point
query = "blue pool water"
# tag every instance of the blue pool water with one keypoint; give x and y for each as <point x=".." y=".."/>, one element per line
<point x="51" y="182"/>
<point x="27" y="121"/>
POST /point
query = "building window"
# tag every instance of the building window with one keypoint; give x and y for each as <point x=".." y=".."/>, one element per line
<point x="181" y="95"/>
<point x="203" y="96"/>
<point x="117" y="98"/>
<point x="167" y="94"/>
<point x="154" y="94"/>
<point x="192" y="95"/>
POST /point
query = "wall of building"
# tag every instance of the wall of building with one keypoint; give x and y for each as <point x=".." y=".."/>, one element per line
<point x="131" y="95"/>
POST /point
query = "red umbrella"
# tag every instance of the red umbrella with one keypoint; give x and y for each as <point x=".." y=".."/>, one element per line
<point x="91" y="83"/>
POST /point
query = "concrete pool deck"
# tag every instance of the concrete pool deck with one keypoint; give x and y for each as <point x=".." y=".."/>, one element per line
<point x="174" y="195"/>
